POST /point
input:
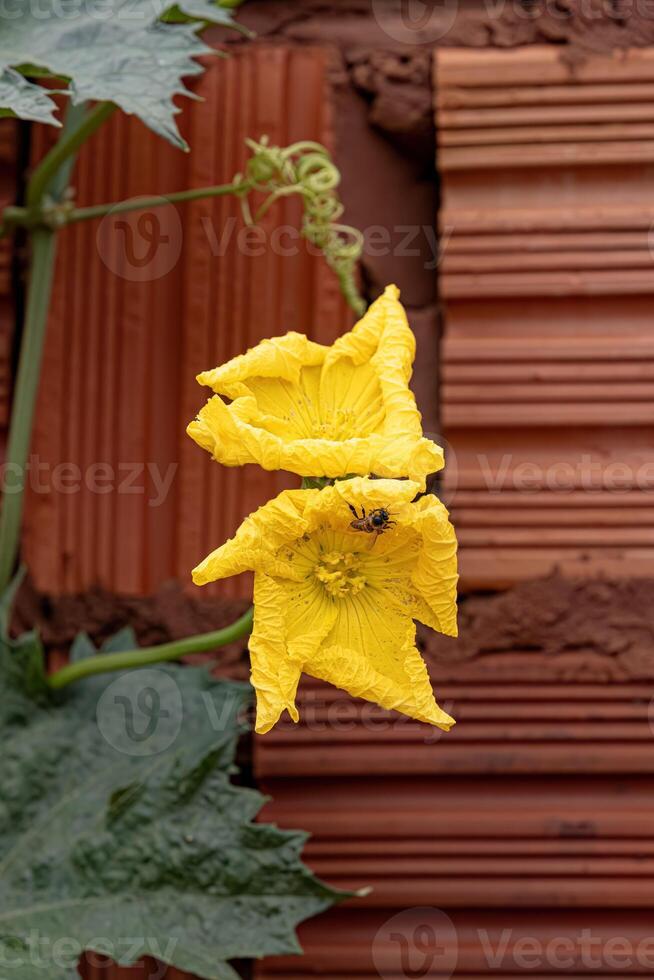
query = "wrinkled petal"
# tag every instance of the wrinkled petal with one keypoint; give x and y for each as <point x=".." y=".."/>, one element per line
<point x="309" y="617"/>
<point x="435" y="575"/>
<point x="220" y="430"/>
<point x="256" y="544"/>
<point x="322" y="411"/>
<point x="332" y="502"/>
<point x="274" y="675"/>
<point x="383" y="337"/>
<point x="371" y="653"/>
<point x="290" y="623"/>
<point x="339" y="603"/>
<point x="277" y="357"/>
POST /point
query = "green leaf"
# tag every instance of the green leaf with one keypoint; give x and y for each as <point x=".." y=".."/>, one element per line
<point x="204" y="10"/>
<point x="18" y="97"/>
<point x="121" y="832"/>
<point x="112" y="51"/>
<point x="209" y="11"/>
<point x="22" y="667"/>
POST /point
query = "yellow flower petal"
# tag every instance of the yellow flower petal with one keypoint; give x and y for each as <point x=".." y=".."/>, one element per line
<point x="371" y="653"/>
<point x="277" y="357"/>
<point x="435" y="574"/>
<point x="322" y="411"/>
<point x="258" y="540"/>
<point x="290" y="622"/>
<point x="274" y="675"/>
<point x="339" y="603"/>
<point x="332" y="502"/>
<point x="384" y="339"/>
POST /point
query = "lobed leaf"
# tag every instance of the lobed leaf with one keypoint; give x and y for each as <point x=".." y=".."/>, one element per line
<point x="18" y="97"/>
<point x="121" y="832"/>
<point x="116" y="51"/>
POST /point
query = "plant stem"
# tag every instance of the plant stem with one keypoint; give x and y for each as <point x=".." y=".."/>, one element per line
<point x="139" y="203"/>
<point x="75" y="118"/>
<point x="63" y="150"/>
<point x="22" y="409"/>
<point x="50" y="177"/>
<point x="131" y="659"/>
<point x="315" y="482"/>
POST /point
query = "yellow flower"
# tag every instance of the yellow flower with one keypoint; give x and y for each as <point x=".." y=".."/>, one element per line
<point x="322" y="411"/>
<point x="338" y="603"/>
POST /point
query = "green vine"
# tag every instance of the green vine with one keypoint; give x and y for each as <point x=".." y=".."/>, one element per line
<point x="307" y="169"/>
<point x="106" y="663"/>
<point x="304" y="168"/>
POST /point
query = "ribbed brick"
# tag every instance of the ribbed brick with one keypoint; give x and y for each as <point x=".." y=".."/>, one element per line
<point x="547" y="397"/>
<point x="123" y="347"/>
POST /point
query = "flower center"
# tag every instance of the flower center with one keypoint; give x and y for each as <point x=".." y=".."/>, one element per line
<point x="339" y="424"/>
<point x="339" y="573"/>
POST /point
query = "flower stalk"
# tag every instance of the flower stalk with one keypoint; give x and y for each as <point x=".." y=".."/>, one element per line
<point x="106" y="663"/>
<point x="59" y="160"/>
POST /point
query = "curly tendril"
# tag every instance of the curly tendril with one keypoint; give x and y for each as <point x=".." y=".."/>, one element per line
<point x="306" y="169"/>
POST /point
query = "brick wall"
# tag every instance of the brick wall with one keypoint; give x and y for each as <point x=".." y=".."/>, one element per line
<point x="547" y="283"/>
<point x="130" y="329"/>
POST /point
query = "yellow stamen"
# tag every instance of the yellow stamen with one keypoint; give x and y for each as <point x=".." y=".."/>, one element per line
<point x="339" y="573"/>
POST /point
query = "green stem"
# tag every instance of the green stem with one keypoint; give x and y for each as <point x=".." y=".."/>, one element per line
<point x="139" y="203"/>
<point x="50" y="177"/>
<point x="76" y="115"/>
<point x="129" y="660"/>
<point x="315" y="482"/>
<point x="63" y="150"/>
<point x="22" y="409"/>
<point x="36" y="218"/>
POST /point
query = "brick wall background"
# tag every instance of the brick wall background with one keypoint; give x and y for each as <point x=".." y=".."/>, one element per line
<point x="126" y="340"/>
<point x="546" y="281"/>
<point x="535" y="814"/>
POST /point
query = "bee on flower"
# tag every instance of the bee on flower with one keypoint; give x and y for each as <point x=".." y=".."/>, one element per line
<point x="328" y="605"/>
<point x="376" y="522"/>
<point x="342" y="570"/>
